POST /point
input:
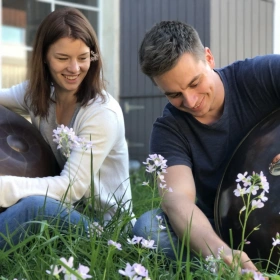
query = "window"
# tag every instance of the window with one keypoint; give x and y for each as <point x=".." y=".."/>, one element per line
<point x="20" y="20"/>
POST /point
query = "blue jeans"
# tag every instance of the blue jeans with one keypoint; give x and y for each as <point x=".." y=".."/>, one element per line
<point x="16" y="221"/>
<point x="147" y="226"/>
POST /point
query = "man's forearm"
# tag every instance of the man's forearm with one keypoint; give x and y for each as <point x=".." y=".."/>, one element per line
<point x="184" y="217"/>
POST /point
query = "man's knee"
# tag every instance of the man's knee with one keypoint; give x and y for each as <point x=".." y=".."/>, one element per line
<point x="147" y="225"/>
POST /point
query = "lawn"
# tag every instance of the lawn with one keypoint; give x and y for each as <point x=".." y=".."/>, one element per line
<point x="110" y="252"/>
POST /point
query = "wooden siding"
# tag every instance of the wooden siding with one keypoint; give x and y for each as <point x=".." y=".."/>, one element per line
<point x="233" y="29"/>
<point x="240" y="29"/>
<point x="141" y="101"/>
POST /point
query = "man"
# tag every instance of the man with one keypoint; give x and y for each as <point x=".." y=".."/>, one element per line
<point x="209" y="112"/>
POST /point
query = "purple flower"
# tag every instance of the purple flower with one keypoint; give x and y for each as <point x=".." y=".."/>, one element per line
<point x="276" y="241"/>
<point x="155" y="163"/>
<point x="135" y="271"/>
<point x="253" y="190"/>
<point x="68" y="263"/>
<point x="148" y="244"/>
<point x="94" y="228"/>
<point x="54" y="270"/>
<point x="83" y="270"/>
<point x="263" y="197"/>
<point x="239" y="191"/>
<point x="67" y="140"/>
<point x="264" y="183"/>
<point x="253" y="274"/>
<point x="140" y="270"/>
<point x="242" y="178"/>
<point x="134" y="240"/>
<point x="257" y="204"/>
<point x="115" y="244"/>
<point x="128" y="271"/>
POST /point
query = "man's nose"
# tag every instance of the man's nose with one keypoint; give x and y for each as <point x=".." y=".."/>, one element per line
<point x="189" y="98"/>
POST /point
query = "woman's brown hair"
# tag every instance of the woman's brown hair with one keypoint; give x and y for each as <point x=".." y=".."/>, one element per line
<point x="61" y="23"/>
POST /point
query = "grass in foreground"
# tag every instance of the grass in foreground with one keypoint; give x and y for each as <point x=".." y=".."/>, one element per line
<point x="107" y="256"/>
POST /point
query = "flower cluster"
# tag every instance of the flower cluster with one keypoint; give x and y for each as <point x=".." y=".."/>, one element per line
<point x="135" y="272"/>
<point x="160" y="220"/>
<point x="276" y="241"/>
<point x="94" y="228"/>
<point x="251" y="185"/>
<point x="67" y="140"/>
<point x="115" y="244"/>
<point x="250" y="274"/>
<point x="156" y="163"/>
<point x="82" y="270"/>
<point x="149" y="244"/>
<point x="212" y="261"/>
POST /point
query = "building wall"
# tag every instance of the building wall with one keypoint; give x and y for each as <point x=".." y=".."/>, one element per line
<point x="141" y="101"/>
<point x="241" y="29"/>
<point x="276" y="33"/>
<point x="233" y="29"/>
<point x="110" y="44"/>
<point x="20" y="20"/>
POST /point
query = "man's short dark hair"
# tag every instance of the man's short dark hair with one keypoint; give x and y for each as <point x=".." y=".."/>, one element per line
<point x="163" y="45"/>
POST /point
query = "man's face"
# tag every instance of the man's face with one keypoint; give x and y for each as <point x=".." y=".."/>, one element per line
<point x="192" y="86"/>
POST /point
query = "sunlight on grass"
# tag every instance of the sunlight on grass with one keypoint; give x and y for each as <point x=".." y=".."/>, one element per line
<point x="107" y="252"/>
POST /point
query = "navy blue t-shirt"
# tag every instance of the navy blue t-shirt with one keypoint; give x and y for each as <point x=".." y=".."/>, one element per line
<point x="252" y="91"/>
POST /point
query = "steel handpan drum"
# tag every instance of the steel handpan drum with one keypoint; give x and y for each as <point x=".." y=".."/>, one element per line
<point x="254" y="154"/>
<point x="23" y="151"/>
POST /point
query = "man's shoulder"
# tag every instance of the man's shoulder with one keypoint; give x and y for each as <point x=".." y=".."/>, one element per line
<point x="170" y="116"/>
<point x="252" y="62"/>
<point x="170" y="112"/>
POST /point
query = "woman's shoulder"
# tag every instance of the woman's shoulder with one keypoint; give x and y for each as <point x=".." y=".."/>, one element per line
<point x="104" y="101"/>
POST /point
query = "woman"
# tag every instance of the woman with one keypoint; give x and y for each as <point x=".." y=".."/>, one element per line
<point x="65" y="87"/>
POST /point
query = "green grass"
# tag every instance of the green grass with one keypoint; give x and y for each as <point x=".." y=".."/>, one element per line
<point x="31" y="258"/>
<point x="142" y="196"/>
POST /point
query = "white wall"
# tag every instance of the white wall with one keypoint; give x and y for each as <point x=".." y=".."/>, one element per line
<point x="110" y="41"/>
<point x="277" y="26"/>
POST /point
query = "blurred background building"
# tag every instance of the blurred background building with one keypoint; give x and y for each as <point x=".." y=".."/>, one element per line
<point x="233" y="29"/>
<point x="21" y="18"/>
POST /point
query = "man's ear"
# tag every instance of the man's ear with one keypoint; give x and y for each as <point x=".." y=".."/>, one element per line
<point x="209" y="58"/>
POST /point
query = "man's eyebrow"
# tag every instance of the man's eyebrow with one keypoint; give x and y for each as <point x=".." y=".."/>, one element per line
<point x="169" y="93"/>
<point x="189" y="84"/>
<point x="193" y="79"/>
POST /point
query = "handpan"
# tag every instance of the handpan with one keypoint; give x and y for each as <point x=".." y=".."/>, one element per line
<point x="23" y="151"/>
<point x="254" y="154"/>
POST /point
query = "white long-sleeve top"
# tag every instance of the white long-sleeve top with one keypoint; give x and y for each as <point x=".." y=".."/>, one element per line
<point x="100" y="122"/>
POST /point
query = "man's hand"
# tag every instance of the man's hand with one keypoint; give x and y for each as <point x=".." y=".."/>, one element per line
<point x="235" y="257"/>
<point x="181" y="209"/>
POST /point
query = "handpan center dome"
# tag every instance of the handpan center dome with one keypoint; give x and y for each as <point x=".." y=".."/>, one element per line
<point x="23" y="150"/>
<point x="17" y="143"/>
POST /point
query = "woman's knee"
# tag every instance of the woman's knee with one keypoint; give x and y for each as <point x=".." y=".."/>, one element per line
<point x="33" y="206"/>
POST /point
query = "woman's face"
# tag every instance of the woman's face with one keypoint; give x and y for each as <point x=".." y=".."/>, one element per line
<point x="68" y="60"/>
